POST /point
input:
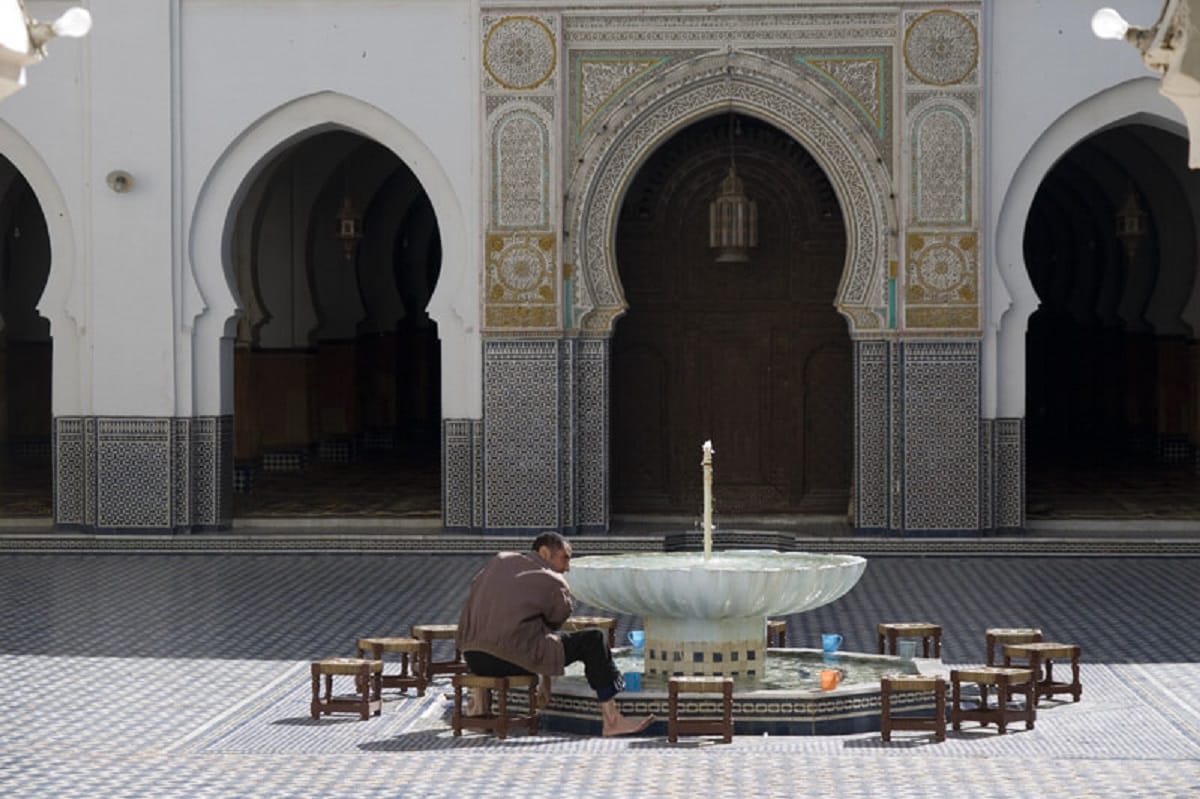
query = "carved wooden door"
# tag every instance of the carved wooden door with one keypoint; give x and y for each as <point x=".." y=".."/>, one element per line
<point x="751" y="355"/>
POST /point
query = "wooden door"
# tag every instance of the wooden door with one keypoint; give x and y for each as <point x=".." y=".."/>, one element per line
<point x="752" y="355"/>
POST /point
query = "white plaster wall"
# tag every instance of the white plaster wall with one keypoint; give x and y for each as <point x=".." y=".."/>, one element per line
<point x="1050" y="84"/>
<point x="168" y="90"/>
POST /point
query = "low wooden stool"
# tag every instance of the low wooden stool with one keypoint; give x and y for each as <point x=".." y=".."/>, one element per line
<point x="1009" y="635"/>
<point x="700" y="685"/>
<point x="1004" y="679"/>
<point x="923" y="683"/>
<point x="369" y="689"/>
<point x="586" y="622"/>
<point x="889" y="632"/>
<point x="406" y="647"/>
<point x="1044" y="653"/>
<point x="776" y="632"/>
<point x="430" y="633"/>
<point x="502" y="719"/>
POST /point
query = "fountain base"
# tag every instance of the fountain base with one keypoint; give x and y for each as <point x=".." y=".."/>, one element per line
<point x="727" y="647"/>
<point x="777" y="705"/>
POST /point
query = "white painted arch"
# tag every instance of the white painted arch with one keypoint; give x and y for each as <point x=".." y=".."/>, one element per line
<point x="63" y="301"/>
<point x="1012" y="299"/>
<point x="210" y="297"/>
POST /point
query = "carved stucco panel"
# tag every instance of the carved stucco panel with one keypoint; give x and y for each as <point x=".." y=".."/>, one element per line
<point x="942" y="154"/>
<point x="810" y="113"/>
<point x="521" y="170"/>
<point x="941" y="47"/>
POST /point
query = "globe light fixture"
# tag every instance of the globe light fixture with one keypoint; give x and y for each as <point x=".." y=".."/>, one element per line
<point x="23" y="39"/>
<point x="1107" y="23"/>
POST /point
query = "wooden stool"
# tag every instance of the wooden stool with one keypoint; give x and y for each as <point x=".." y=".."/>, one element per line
<point x="1009" y="635"/>
<point x="1044" y="653"/>
<point x="406" y="647"/>
<point x="585" y="622"/>
<point x="700" y="685"/>
<point x="429" y="633"/>
<point x="889" y="632"/>
<point x="776" y="632"/>
<point x="502" y="719"/>
<point x="366" y="675"/>
<point x="1003" y="679"/>
<point x="923" y="683"/>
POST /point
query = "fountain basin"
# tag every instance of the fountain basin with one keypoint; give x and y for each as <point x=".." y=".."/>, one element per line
<point x="708" y="615"/>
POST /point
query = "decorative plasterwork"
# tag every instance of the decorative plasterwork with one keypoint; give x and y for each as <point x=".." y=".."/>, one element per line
<point x="521" y="282"/>
<point x="598" y="80"/>
<point x="862" y="78"/>
<point x="942" y="286"/>
<point x="810" y="112"/>
<point x="521" y="167"/>
<point x="519" y="53"/>
<point x="942" y="168"/>
<point x="748" y="29"/>
<point x="941" y="47"/>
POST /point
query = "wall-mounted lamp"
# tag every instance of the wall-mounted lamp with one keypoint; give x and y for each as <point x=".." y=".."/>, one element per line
<point x="1165" y="50"/>
<point x="119" y="181"/>
<point x="23" y="39"/>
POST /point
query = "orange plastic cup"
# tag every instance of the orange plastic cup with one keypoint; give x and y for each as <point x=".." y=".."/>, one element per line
<point x="829" y="679"/>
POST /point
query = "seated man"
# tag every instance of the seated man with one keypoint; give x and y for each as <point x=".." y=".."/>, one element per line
<point x="509" y="624"/>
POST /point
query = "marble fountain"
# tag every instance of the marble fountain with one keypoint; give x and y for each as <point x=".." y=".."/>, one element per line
<point x="706" y="613"/>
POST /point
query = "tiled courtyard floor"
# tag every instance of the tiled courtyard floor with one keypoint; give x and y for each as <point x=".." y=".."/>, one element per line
<point x="186" y="675"/>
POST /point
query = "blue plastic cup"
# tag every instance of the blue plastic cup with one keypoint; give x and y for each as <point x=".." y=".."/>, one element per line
<point x="637" y="638"/>
<point x="830" y="642"/>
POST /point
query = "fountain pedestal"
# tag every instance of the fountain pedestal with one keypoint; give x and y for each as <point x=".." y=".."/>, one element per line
<point x="731" y="647"/>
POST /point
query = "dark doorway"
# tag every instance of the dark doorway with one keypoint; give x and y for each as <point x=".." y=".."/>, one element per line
<point x="337" y="366"/>
<point x="750" y="355"/>
<point x="1111" y="389"/>
<point x="25" y="351"/>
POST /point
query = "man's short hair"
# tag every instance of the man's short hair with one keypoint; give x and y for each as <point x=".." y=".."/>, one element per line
<point x="550" y="539"/>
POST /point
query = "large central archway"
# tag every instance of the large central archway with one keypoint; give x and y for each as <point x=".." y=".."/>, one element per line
<point x="753" y="355"/>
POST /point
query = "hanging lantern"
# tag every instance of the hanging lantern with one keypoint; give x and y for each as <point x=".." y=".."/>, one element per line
<point x="1131" y="223"/>
<point x="732" y="216"/>
<point x="349" y="228"/>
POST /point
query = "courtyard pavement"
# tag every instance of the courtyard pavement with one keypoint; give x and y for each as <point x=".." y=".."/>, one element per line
<point x="185" y="674"/>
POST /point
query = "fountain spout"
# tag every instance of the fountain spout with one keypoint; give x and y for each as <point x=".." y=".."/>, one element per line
<point x="706" y="467"/>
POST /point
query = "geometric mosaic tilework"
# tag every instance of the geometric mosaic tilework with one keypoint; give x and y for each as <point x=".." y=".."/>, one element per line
<point x="591" y="434"/>
<point x="70" y="471"/>
<point x="941" y="435"/>
<point x="987" y="476"/>
<point x="872" y="481"/>
<point x="133" y="470"/>
<point x="143" y="474"/>
<point x="521" y="433"/>
<point x="459" y="474"/>
<point x="1008" y="461"/>
<point x="568" y="354"/>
